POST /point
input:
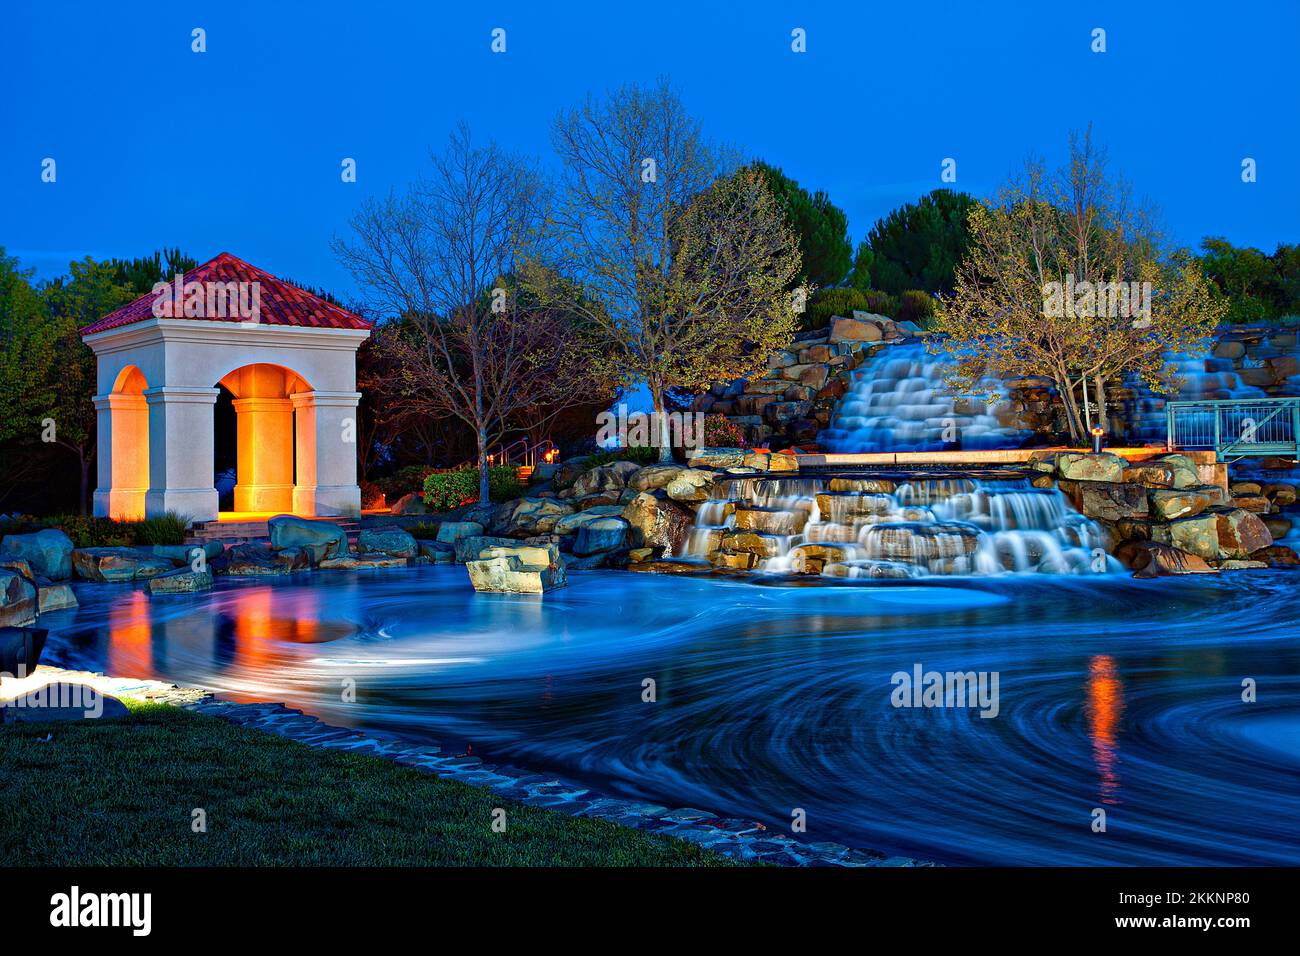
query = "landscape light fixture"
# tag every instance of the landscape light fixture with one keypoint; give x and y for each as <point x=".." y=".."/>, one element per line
<point x="1098" y="434"/>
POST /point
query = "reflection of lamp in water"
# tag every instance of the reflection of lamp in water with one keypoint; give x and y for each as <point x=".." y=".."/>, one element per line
<point x="20" y="652"/>
<point x="1098" y="433"/>
<point x="1105" y="702"/>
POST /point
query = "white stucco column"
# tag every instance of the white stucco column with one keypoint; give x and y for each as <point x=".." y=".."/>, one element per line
<point x="122" y="455"/>
<point x="180" y="451"/>
<point x="327" y="453"/>
<point x="265" y="478"/>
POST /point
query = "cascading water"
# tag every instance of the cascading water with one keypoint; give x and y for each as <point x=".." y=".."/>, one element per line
<point x="1203" y="378"/>
<point x="898" y="402"/>
<point x="895" y="527"/>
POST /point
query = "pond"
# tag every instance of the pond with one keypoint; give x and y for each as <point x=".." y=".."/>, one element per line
<point x="1112" y="694"/>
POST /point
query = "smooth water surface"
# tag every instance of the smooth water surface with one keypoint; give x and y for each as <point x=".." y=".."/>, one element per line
<point x="1113" y="693"/>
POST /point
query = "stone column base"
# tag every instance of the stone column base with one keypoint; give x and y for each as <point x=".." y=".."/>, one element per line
<point x="200" y="504"/>
<point x="279" y="498"/>
<point x="327" y="500"/>
<point x="125" y="503"/>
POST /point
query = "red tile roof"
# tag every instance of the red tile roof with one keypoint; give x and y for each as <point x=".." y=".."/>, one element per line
<point x="280" y="303"/>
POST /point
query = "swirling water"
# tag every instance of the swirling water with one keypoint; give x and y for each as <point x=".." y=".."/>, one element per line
<point x="1114" y="693"/>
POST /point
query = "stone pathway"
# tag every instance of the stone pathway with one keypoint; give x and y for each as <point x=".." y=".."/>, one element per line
<point x="739" y="839"/>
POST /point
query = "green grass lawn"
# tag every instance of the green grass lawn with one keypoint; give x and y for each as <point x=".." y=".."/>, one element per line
<point x="121" y="793"/>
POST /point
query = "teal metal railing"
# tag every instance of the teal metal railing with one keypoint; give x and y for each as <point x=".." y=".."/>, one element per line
<point x="1236" y="427"/>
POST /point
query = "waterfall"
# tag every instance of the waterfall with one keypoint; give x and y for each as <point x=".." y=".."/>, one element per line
<point x="865" y="526"/>
<point x="897" y="402"/>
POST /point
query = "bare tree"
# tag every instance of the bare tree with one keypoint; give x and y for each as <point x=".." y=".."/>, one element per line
<point x="438" y="259"/>
<point x="682" y="267"/>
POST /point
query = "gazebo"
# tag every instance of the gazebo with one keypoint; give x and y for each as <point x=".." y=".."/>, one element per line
<point x="288" y="359"/>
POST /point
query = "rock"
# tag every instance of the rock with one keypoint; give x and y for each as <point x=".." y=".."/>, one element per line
<point x="1106" y="500"/>
<point x="529" y="516"/>
<point x="770" y="520"/>
<point x="257" y="559"/>
<point x="1085" y="466"/>
<point x="875" y="485"/>
<point x="918" y="543"/>
<point x="735" y="560"/>
<point x="1150" y="475"/>
<point x="1256" y="504"/>
<point x="63" y="701"/>
<point x="471" y="548"/>
<point x="184" y="554"/>
<point x="570" y="524"/>
<point x="1218" y="534"/>
<point x="1185" y="473"/>
<point x="865" y="568"/>
<point x="438" y="552"/>
<point x="450" y="532"/>
<point x="1170" y="503"/>
<point x="1149" y="559"/>
<point x="18" y="600"/>
<point x="670" y="566"/>
<point x="717" y="457"/>
<point x="518" y="571"/>
<point x="691" y="484"/>
<point x="1244" y="489"/>
<point x="611" y="477"/>
<point x="856" y="329"/>
<point x="411" y="504"/>
<point x="394" y="542"/>
<point x="814" y="558"/>
<point x="599" y="499"/>
<point x="361" y="562"/>
<point x="1281" y="495"/>
<point x="54" y="596"/>
<point x="320" y="539"/>
<point x="1276" y="556"/>
<point x="181" y="582"/>
<point x="292" y="559"/>
<point x="117" y="564"/>
<point x="48" y="551"/>
<point x="1241" y="564"/>
<point x="752" y="542"/>
<point x="638" y="555"/>
<point x="657" y="522"/>
<point x="653" y="477"/>
<point x="604" y="534"/>
<point x="1279" y="526"/>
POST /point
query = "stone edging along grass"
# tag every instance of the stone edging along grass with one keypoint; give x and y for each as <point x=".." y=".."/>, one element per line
<point x="736" y="840"/>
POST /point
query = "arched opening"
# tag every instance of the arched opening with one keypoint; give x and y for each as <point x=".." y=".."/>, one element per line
<point x="129" y="445"/>
<point x="261" y="443"/>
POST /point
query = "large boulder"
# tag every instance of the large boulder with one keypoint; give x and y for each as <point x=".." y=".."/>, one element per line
<point x="1150" y="559"/>
<point x="411" y="504"/>
<point x="653" y="477"/>
<point x="183" y="581"/>
<point x="1184" y="470"/>
<point x="611" y="477"/>
<point x="394" y="542"/>
<point x="525" y="569"/>
<point x="1275" y="556"/>
<point x="658" y="522"/>
<point x="471" y="547"/>
<point x="525" y="517"/>
<point x="54" y="595"/>
<point x="18" y="605"/>
<point x="1168" y="504"/>
<point x="691" y="484"/>
<point x="258" y="559"/>
<point x="717" y="457"/>
<point x="449" y="532"/>
<point x="48" y="551"/>
<point x="320" y="539"/>
<point x="1106" y="500"/>
<point x="863" y="327"/>
<point x="1216" y="535"/>
<point x="1085" y="466"/>
<point x="604" y="534"/>
<point x="118" y="564"/>
<point x="570" y="524"/>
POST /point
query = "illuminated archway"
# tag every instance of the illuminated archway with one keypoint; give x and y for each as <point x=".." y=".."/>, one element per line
<point x="265" y="457"/>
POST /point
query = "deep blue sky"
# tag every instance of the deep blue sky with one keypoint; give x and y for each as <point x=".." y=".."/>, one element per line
<point x="239" y="148"/>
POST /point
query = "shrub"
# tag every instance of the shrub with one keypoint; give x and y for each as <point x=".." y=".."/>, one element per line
<point x="166" y="528"/>
<point x="89" y="531"/>
<point x="445" y="490"/>
<point x="881" y="303"/>
<point x="406" y="480"/>
<point x="826" y="303"/>
<point x="722" y="432"/>
<point x="916" y="306"/>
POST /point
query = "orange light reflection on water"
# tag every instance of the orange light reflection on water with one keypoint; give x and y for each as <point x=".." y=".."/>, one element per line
<point x="1104" y="705"/>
